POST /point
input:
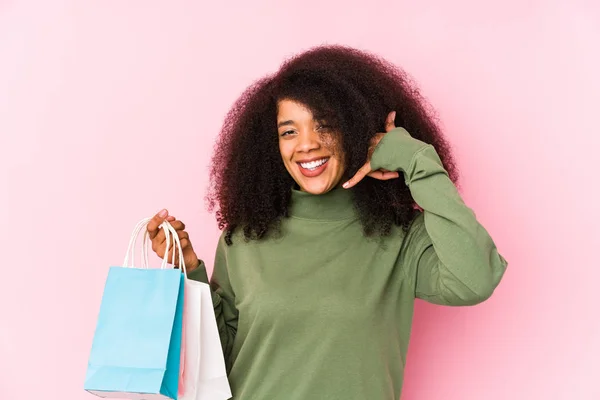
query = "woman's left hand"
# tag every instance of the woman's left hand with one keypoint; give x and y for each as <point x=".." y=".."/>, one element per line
<point x="365" y="170"/>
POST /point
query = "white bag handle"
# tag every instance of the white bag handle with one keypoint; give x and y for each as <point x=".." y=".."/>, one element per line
<point x="131" y="248"/>
<point x="169" y="230"/>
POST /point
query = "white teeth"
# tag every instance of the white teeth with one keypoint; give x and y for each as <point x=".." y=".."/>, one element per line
<point x="314" y="164"/>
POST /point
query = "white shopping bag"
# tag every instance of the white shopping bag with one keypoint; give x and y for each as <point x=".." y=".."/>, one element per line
<point x="212" y="383"/>
<point x="203" y="375"/>
<point x="190" y="348"/>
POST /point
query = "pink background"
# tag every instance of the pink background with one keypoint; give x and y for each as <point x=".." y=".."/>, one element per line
<point x="109" y="109"/>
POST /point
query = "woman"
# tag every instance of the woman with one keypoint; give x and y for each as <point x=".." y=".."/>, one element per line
<point x="334" y="190"/>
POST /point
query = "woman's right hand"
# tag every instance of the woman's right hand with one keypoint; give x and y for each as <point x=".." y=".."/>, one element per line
<point x="159" y="242"/>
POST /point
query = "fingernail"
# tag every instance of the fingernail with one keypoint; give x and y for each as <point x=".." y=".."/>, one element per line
<point x="345" y="185"/>
<point x="162" y="213"/>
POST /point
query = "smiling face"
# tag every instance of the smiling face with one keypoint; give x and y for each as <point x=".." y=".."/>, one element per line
<point x="307" y="149"/>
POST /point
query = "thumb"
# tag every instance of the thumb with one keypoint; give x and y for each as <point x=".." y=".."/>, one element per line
<point x="155" y="222"/>
<point x="390" y="121"/>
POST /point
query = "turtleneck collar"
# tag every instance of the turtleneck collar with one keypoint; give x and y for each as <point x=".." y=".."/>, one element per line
<point x="334" y="205"/>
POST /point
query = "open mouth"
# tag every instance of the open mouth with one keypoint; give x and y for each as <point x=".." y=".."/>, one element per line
<point x="313" y="168"/>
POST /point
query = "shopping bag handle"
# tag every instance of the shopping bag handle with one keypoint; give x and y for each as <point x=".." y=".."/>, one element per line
<point x="131" y="248"/>
<point x="169" y="231"/>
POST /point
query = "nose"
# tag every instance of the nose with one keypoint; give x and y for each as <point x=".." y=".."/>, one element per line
<point x="307" y="141"/>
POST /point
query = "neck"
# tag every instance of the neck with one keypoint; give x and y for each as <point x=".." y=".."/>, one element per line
<point x="334" y="205"/>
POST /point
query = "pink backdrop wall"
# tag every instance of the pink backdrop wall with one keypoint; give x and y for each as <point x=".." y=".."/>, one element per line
<point x="108" y="112"/>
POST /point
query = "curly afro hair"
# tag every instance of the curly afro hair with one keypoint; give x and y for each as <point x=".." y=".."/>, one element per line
<point x="353" y="91"/>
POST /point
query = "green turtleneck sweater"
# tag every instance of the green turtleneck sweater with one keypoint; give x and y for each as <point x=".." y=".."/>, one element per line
<point x="322" y="312"/>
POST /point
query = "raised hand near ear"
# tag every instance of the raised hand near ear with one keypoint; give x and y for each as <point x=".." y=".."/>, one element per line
<point x="366" y="170"/>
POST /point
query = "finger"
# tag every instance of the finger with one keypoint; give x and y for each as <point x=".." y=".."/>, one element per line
<point x="385" y="172"/>
<point x="389" y="122"/>
<point x="160" y="237"/>
<point x="384" y="175"/>
<point x="172" y="245"/>
<point x="155" y="223"/>
<point x="185" y="243"/>
<point x="182" y="235"/>
<point x="360" y="174"/>
<point x="170" y="256"/>
<point x="170" y="218"/>
<point x="178" y="225"/>
<point x="390" y="175"/>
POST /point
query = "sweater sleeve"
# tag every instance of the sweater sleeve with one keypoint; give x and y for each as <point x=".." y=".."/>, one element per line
<point x="451" y="258"/>
<point x="223" y="298"/>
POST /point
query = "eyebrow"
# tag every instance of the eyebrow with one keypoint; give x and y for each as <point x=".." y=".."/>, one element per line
<point x="283" y="123"/>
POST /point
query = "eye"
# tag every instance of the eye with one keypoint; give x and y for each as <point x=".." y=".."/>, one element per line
<point x="286" y="133"/>
<point x="323" y="128"/>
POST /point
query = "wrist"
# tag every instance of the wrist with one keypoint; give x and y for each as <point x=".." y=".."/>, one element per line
<point x="192" y="266"/>
<point x="396" y="150"/>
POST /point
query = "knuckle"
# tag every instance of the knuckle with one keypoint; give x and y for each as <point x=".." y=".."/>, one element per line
<point x="178" y="225"/>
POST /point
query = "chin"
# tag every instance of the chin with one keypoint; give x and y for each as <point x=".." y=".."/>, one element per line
<point x="316" y="187"/>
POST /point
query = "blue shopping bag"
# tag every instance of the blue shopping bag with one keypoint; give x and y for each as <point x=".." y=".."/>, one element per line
<point x="137" y="343"/>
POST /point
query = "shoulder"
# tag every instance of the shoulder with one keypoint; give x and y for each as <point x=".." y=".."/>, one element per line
<point x="233" y="242"/>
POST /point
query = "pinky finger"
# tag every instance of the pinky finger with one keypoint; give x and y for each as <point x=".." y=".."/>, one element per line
<point x="391" y="175"/>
